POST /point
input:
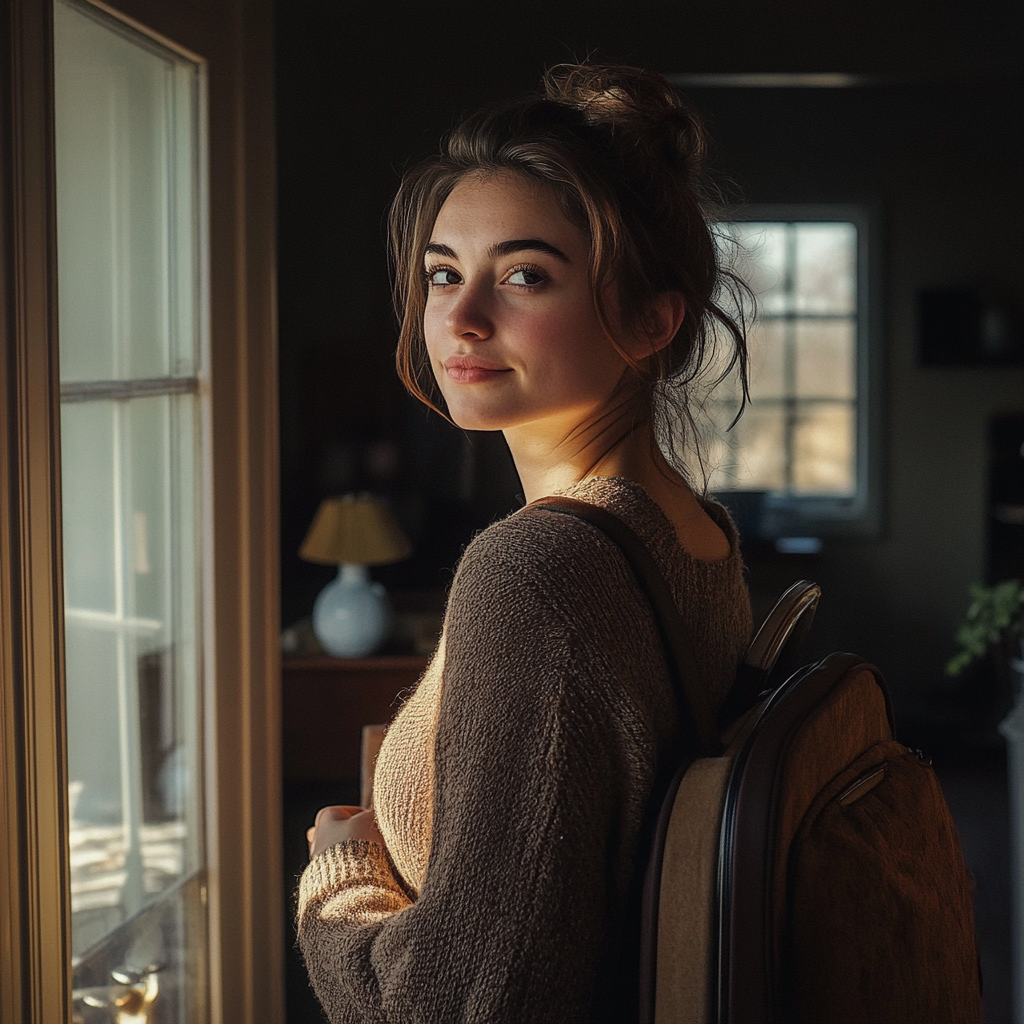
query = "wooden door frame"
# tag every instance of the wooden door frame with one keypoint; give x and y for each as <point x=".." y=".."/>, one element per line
<point x="35" y="902"/>
<point x="242" y="661"/>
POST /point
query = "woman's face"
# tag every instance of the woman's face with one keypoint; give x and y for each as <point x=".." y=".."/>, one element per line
<point x="510" y="324"/>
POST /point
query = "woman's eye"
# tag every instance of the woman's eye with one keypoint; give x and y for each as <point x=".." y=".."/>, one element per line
<point x="525" y="276"/>
<point x="442" y="276"/>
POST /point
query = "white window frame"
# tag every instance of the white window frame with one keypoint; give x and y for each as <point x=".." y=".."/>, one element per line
<point x="786" y="515"/>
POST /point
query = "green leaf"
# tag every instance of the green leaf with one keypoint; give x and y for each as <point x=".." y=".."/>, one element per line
<point x="994" y="613"/>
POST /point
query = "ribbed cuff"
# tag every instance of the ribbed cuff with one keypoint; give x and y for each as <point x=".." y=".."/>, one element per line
<point x="350" y="863"/>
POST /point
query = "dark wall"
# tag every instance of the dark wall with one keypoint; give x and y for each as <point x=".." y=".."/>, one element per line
<point x="942" y="162"/>
<point x="363" y="90"/>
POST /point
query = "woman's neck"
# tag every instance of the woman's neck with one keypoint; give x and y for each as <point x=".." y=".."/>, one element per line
<point x="546" y="468"/>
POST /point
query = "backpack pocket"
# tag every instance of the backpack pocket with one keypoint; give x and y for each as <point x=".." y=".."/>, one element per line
<point x="879" y="923"/>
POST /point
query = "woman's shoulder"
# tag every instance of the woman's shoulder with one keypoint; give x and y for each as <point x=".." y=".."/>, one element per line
<point x="561" y="559"/>
<point x="536" y="542"/>
<point x="535" y="538"/>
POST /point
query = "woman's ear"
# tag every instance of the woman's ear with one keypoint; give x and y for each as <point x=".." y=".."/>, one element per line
<point x="661" y="323"/>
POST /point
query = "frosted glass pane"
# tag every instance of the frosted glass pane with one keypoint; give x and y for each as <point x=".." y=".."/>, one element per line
<point x="91" y="544"/>
<point x="761" y="262"/>
<point x="825" y="358"/>
<point x="824" y="449"/>
<point x="826" y="268"/>
<point x="767" y="369"/>
<point x="126" y="125"/>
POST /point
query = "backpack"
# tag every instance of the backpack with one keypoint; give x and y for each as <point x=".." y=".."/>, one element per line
<point x="801" y="866"/>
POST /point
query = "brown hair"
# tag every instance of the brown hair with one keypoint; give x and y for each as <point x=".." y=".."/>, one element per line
<point x="625" y="157"/>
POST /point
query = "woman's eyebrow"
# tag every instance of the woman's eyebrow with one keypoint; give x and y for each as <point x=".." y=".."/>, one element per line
<point x="526" y="245"/>
<point x="437" y="249"/>
<point x="513" y="245"/>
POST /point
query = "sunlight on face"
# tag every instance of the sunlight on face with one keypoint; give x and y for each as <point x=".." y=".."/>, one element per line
<point x="510" y="325"/>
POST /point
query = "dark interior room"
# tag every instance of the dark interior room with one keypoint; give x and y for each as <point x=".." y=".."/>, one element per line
<point x="245" y="575"/>
<point x="910" y="112"/>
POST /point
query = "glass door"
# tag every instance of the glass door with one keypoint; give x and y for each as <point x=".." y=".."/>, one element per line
<point x="131" y="305"/>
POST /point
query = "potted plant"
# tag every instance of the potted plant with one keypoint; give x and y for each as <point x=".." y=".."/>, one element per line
<point x="994" y="621"/>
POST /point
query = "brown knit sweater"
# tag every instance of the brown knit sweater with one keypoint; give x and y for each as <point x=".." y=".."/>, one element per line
<point x="510" y="788"/>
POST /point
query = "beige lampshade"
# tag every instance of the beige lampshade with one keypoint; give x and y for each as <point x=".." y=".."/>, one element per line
<point x="356" y="529"/>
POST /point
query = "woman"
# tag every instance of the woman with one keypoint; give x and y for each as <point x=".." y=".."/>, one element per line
<point x="557" y="279"/>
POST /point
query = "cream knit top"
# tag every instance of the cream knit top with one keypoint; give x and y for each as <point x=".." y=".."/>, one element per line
<point x="510" y="788"/>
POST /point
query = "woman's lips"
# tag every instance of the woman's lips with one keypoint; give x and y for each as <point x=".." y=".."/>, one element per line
<point x="465" y="370"/>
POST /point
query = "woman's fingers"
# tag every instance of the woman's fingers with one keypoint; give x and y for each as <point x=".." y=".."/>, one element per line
<point x="339" y="823"/>
<point x="337" y="812"/>
<point x="324" y="819"/>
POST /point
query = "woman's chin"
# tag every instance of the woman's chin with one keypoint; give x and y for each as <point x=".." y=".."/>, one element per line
<point x="476" y="419"/>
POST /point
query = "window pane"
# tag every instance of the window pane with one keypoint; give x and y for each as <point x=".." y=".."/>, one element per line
<point x="767" y="347"/>
<point x="94" y="765"/>
<point x="823" y="449"/>
<point x="826" y="268"/>
<point x="825" y="358"/>
<point x="90" y="531"/>
<point x="148" y="532"/>
<point x="131" y="656"/>
<point x="759" y="449"/>
<point x="125" y="205"/>
<point x="721" y="473"/>
<point x="762" y="262"/>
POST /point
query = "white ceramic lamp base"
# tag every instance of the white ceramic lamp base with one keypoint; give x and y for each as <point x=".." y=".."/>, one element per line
<point x="350" y="616"/>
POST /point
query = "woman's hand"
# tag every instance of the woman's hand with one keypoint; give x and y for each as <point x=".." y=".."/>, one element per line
<point x="338" y="823"/>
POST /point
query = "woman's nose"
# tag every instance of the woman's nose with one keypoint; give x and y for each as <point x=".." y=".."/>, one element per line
<point x="469" y="317"/>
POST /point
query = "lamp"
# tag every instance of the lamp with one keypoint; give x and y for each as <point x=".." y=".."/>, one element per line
<point x="350" y="616"/>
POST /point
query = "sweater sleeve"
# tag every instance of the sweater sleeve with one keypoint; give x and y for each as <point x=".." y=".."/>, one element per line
<point x="532" y="817"/>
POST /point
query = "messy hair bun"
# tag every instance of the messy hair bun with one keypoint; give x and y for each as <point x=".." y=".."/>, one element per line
<point x="643" y="115"/>
<point x="625" y="156"/>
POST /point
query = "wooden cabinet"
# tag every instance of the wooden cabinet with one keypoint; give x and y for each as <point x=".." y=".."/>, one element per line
<point x="325" y="702"/>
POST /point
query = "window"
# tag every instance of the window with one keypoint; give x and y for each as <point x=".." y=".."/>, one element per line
<point x="162" y="432"/>
<point x="799" y="460"/>
<point x="131" y="302"/>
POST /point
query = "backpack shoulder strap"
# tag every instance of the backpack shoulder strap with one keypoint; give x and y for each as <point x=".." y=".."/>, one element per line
<point x="684" y="668"/>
